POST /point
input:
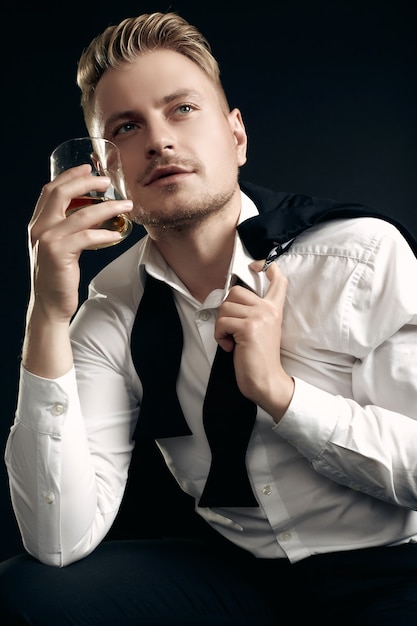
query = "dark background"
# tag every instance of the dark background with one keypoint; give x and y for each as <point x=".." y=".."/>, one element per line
<point x="327" y="90"/>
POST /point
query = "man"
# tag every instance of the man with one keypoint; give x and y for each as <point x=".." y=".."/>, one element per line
<point x="319" y="413"/>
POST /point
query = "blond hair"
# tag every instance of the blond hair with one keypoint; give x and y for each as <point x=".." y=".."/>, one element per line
<point x="121" y="44"/>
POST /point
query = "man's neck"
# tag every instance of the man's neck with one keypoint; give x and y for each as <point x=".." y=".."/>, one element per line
<point x="201" y="256"/>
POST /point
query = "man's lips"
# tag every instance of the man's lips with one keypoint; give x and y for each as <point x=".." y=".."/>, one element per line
<point x="164" y="172"/>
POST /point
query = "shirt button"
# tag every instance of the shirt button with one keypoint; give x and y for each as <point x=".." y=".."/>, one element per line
<point x="57" y="409"/>
<point x="205" y="315"/>
<point x="267" y="490"/>
<point x="285" y="536"/>
<point x="48" y="496"/>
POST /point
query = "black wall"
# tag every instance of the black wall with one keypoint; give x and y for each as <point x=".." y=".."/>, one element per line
<point x="327" y="90"/>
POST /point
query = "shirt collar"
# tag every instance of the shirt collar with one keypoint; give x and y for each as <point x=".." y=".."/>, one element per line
<point x="241" y="259"/>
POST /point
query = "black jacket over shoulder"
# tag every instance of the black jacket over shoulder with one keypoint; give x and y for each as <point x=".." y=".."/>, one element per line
<point x="283" y="216"/>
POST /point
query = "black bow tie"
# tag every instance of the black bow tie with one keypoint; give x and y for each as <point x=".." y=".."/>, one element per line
<point x="228" y="416"/>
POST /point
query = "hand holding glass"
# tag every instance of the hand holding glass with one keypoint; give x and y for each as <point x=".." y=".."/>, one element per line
<point x="104" y="158"/>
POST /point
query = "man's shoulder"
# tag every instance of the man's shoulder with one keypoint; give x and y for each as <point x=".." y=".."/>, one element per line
<point x="120" y="270"/>
<point x="350" y="237"/>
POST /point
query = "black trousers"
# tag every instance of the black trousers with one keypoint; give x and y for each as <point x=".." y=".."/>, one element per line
<point x="182" y="582"/>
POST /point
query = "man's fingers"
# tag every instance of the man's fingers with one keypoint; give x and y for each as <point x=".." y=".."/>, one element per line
<point x="277" y="281"/>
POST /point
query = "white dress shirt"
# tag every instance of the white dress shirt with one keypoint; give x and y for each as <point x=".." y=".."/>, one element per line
<point x="338" y="472"/>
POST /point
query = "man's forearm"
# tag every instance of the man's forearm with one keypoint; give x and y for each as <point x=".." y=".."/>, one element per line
<point x="46" y="348"/>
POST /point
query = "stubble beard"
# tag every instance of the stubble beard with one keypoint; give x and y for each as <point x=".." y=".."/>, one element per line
<point x="183" y="215"/>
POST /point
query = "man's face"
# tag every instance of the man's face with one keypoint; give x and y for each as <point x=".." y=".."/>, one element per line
<point x="180" y="148"/>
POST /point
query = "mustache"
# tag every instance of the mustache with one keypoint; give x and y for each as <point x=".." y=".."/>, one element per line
<point x="167" y="161"/>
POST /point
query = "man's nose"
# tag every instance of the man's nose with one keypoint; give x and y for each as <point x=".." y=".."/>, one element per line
<point x="159" y="140"/>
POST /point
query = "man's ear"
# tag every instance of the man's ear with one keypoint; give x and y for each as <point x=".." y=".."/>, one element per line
<point x="238" y="129"/>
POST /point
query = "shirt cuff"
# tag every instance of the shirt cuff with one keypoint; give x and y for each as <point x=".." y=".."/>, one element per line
<point x="43" y="403"/>
<point x="310" y="419"/>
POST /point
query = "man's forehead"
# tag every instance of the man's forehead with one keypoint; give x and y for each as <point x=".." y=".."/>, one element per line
<point x="149" y="69"/>
<point x="155" y="78"/>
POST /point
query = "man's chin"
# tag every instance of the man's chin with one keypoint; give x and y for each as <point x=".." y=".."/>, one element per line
<point x="180" y="207"/>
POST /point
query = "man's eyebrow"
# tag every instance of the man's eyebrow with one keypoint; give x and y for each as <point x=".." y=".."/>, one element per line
<point x="179" y="94"/>
<point x="175" y="95"/>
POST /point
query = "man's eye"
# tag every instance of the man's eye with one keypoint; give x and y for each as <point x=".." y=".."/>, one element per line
<point x="125" y="128"/>
<point x="185" y="108"/>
